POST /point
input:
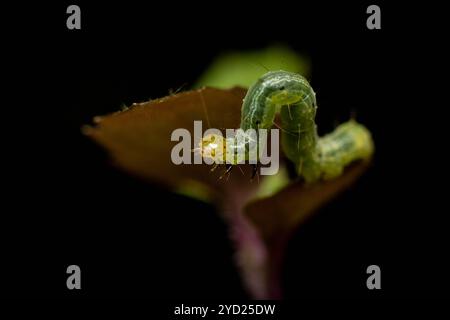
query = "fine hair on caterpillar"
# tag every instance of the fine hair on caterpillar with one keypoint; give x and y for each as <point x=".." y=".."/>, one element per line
<point x="291" y="96"/>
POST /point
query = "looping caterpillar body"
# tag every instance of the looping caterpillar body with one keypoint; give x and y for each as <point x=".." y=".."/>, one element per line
<point x="291" y="96"/>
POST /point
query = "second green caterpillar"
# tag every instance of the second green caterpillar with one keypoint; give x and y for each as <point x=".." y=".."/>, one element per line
<point x="290" y="95"/>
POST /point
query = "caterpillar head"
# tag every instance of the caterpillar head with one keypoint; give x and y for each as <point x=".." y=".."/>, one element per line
<point x="213" y="146"/>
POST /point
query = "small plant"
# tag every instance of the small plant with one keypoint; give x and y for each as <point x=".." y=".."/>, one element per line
<point x="261" y="214"/>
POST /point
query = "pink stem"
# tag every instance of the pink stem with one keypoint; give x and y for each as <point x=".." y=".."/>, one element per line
<point x="260" y="266"/>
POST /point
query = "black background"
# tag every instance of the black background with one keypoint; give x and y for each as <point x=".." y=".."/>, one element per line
<point x="64" y="204"/>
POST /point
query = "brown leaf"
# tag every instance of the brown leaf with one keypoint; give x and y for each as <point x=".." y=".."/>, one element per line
<point x="138" y="139"/>
<point x="281" y="213"/>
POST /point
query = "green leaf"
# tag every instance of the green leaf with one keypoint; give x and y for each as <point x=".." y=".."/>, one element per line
<point x="244" y="68"/>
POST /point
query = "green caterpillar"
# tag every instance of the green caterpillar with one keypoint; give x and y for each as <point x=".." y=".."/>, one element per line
<point x="290" y="95"/>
